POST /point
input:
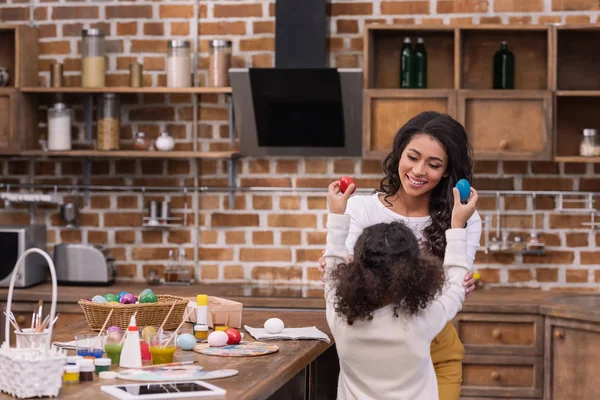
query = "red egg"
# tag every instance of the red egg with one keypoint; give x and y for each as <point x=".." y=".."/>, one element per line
<point x="346" y="181"/>
<point x="234" y="336"/>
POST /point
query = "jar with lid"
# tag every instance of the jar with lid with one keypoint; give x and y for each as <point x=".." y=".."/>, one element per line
<point x="93" y="62"/>
<point x="108" y="122"/>
<point x="59" y="127"/>
<point x="219" y="62"/>
<point x="590" y="143"/>
<point x="141" y="142"/>
<point x="179" y="64"/>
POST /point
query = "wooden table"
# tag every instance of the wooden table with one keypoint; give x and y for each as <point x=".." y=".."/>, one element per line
<point x="259" y="377"/>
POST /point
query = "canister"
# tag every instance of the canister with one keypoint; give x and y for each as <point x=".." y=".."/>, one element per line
<point x="92" y="58"/>
<point x="108" y="122"/>
<point x="179" y="64"/>
<point x="219" y="62"/>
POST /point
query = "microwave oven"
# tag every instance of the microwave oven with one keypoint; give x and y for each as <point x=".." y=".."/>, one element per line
<point x="14" y="240"/>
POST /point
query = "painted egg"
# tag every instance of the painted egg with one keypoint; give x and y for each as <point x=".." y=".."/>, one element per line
<point x="148" y="333"/>
<point x="110" y="297"/>
<point x="148" y="297"/>
<point x="217" y="339"/>
<point x="128" y="299"/>
<point x="274" y="325"/>
<point x="114" y="328"/>
<point x="98" y="299"/>
<point x="121" y="295"/>
<point x="186" y="341"/>
<point x="464" y="189"/>
<point x="143" y="292"/>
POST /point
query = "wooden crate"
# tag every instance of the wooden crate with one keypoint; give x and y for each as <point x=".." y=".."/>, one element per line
<point x="386" y="110"/>
<point x="18" y="120"/>
<point x="508" y="124"/>
<point x="19" y="53"/>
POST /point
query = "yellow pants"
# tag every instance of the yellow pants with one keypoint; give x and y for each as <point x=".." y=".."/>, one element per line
<point x="447" y="353"/>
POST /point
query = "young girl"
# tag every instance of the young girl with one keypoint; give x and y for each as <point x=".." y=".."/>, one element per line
<point x="383" y="308"/>
<point x="430" y="154"/>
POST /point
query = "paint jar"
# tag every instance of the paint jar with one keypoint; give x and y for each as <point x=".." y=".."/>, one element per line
<point x="108" y="122"/>
<point x="179" y="72"/>
<point x="102" y="364"/>
<point x="86" y="370"/>
<point x="201" y="332"/>
<point x="72" y="360"/>
<point x="221" y="327"/>
<point x="71" y="374"/>
<point x="219" y="62"/>
<point x="93" y="62"/>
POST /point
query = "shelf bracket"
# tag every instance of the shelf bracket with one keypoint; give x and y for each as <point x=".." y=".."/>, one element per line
<point x="231" y="118"/>
<point x="231" y="179"/>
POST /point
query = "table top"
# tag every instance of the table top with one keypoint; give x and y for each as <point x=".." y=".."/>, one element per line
<point x="258" y="376"/>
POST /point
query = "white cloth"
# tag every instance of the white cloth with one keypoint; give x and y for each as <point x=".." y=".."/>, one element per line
<point x="310" y="332"/>
<point x="367" y="210"/>
<point x="389" y="357"/>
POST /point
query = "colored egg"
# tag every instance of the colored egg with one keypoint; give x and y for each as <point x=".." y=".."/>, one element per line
<point x="217" y="339"/>
<point x="148" y="333"/>
<point x="113" y="328"/>
<point x="98" y="299"/>
<point x="143" y="292"/>
<point x="148" y="297"/>
<point x="121" y="295"/>
<point x="274" y="325"/>
<point x="186" y="341"/>
<point x="464" y="189"/>
<point x="128" y="299"/>
<point x="111" y="297"/>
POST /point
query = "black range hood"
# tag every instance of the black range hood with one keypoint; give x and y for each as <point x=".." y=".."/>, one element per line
<point x="300" y="107"/>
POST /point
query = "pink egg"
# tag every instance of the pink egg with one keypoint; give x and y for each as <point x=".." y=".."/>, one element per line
<point x="114" y="328"/>
<point x="128" y="299"/>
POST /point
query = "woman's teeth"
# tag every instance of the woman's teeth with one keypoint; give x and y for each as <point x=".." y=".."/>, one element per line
<point x="414" y="182"/>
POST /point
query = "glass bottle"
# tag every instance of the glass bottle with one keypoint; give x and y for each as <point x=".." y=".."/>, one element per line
<point x="590" y="143"/>
<point x="219" y="62"/>
<point x="420" y="64"/>
<point x="504" y="68"/>
<point x="407" y="65"/>
<point x="108" y="122"/>
<point x="179" y="72"/>
<point x="59" y="127"/>
<point x="141" y="142"/>
<point x="92" y="54"/>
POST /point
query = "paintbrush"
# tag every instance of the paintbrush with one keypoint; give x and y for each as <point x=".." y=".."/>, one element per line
<point x="39" y="315"/>
<point x="185" y="315"/>
<point x="13" y="323"/>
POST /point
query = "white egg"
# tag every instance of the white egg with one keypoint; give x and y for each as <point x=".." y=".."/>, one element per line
<point x="217" y="339"/>
<point x="274" y="325"/>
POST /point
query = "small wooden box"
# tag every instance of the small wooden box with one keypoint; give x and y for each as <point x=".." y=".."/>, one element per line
<point x="227" y="312"/>
<point x="19" y="51"/>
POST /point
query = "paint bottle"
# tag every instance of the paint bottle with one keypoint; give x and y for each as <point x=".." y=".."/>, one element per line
<point x="201" y="332"/>
<point x="71" y="374"/>
<point x="202" y="309"/>
<point x="131" y="355"/>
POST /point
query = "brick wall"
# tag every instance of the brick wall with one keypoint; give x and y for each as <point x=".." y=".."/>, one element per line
<point x="273" y="236"/>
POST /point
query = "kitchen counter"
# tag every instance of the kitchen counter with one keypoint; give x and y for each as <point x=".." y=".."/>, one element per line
<point x="258" y="378"/>
<point x="568" y="304"/>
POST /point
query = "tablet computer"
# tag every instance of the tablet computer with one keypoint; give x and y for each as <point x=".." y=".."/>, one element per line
<point x="165" y="390"/>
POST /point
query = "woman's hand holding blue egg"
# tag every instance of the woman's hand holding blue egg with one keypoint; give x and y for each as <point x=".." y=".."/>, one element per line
<point x="462" y="211"/>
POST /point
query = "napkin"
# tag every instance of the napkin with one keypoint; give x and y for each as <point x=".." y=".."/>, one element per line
<point x="310" y="332"/>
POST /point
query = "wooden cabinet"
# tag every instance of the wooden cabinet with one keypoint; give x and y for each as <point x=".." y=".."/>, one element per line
<point x="18" y="121"/>
<point x="572" y="354"/>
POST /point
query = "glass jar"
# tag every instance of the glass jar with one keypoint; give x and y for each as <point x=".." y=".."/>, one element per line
<point x="219" y="62"/>
<point x="108" y="122"/>
<point x="92" y="58"/>
<point x="179" y="72"/>
<point x="59" y="127"/>
<point x="590" y="144"/>
<point x="141" y="142"/>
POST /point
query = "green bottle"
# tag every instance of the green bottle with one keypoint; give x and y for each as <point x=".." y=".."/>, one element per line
<point x="407" y="65"/>
<point x="504" y="68"/>
<point x="420" y="65"/>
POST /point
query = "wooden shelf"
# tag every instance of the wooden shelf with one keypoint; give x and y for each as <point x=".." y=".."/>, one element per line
<point x="126" y="154"/>
<point x="578" y="93"/>
<point x="126" y="89"/>
<point x="577" y="159"/>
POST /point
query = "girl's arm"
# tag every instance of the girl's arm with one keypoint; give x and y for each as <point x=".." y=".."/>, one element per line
<point x="473" y="236"/>
<point x="335" y="250"/>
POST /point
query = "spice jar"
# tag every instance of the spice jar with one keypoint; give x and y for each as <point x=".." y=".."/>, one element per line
<point x="108" y="122"/>
<point x="141" y="142"/>
<point x="179" y="64"/>
<point x="59" y="127"/>
<point x="92" y="54"/>
<point x="590" y="144"/>
<point x="219" y="62"/>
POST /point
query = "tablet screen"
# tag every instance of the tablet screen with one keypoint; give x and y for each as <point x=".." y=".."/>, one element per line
<point x="184" y="387"/>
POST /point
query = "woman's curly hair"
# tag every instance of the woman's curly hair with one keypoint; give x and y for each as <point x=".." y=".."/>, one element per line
<point x="388" y="268"/>
<point x="453" y="138"/>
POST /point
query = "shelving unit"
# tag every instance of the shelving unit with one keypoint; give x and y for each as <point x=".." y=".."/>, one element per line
<point x="214" y="155"/>
<point x="131" y="90"/>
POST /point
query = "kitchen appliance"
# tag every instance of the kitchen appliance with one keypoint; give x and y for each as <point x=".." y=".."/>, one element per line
<point x="14" y="240"/>
<point x="83" y="264"/>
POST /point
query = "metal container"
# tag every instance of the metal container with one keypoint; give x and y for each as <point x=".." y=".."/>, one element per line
<point x="108" y="122"/>
<point x="179" y="72"/>
<point x="219" y="62"/>
<point x="56" y="75"/>
<point x="92" y="58"/>
<point x="590" y="143"/>
<point x="69" y="213"/>
<point x="136" y="78"/>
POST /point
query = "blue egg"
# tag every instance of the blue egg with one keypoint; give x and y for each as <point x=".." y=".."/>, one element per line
<point x="98" y="299"/>
<point x="185" y="341"/>
<point x="464" y="189"/>
<point x="121" y="295"/>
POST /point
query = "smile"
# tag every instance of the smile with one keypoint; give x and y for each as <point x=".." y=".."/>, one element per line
<point x="415" y="181"/>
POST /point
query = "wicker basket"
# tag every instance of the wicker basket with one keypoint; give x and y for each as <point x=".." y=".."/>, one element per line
<point x="147" y="313"/>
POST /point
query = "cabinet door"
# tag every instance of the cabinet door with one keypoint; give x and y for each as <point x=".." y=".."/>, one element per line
<point x="508" y="124"/>
<point x="7" y="119"/>
<point x="571" y="360"/>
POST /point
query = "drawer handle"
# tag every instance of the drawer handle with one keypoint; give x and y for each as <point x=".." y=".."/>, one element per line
<point x="21" y="319"/>
<point x="496" y="375"/>
<point x="504" y="144"/>
<point x="559" y="334"/>
<point x="496" y="333"/>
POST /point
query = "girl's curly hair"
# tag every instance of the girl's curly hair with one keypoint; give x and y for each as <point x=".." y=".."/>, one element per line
<point x="388" y="268"/>
<point x="453" y="138"/>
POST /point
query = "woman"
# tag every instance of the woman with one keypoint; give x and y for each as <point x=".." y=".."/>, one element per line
<point x="430" y="154"/>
